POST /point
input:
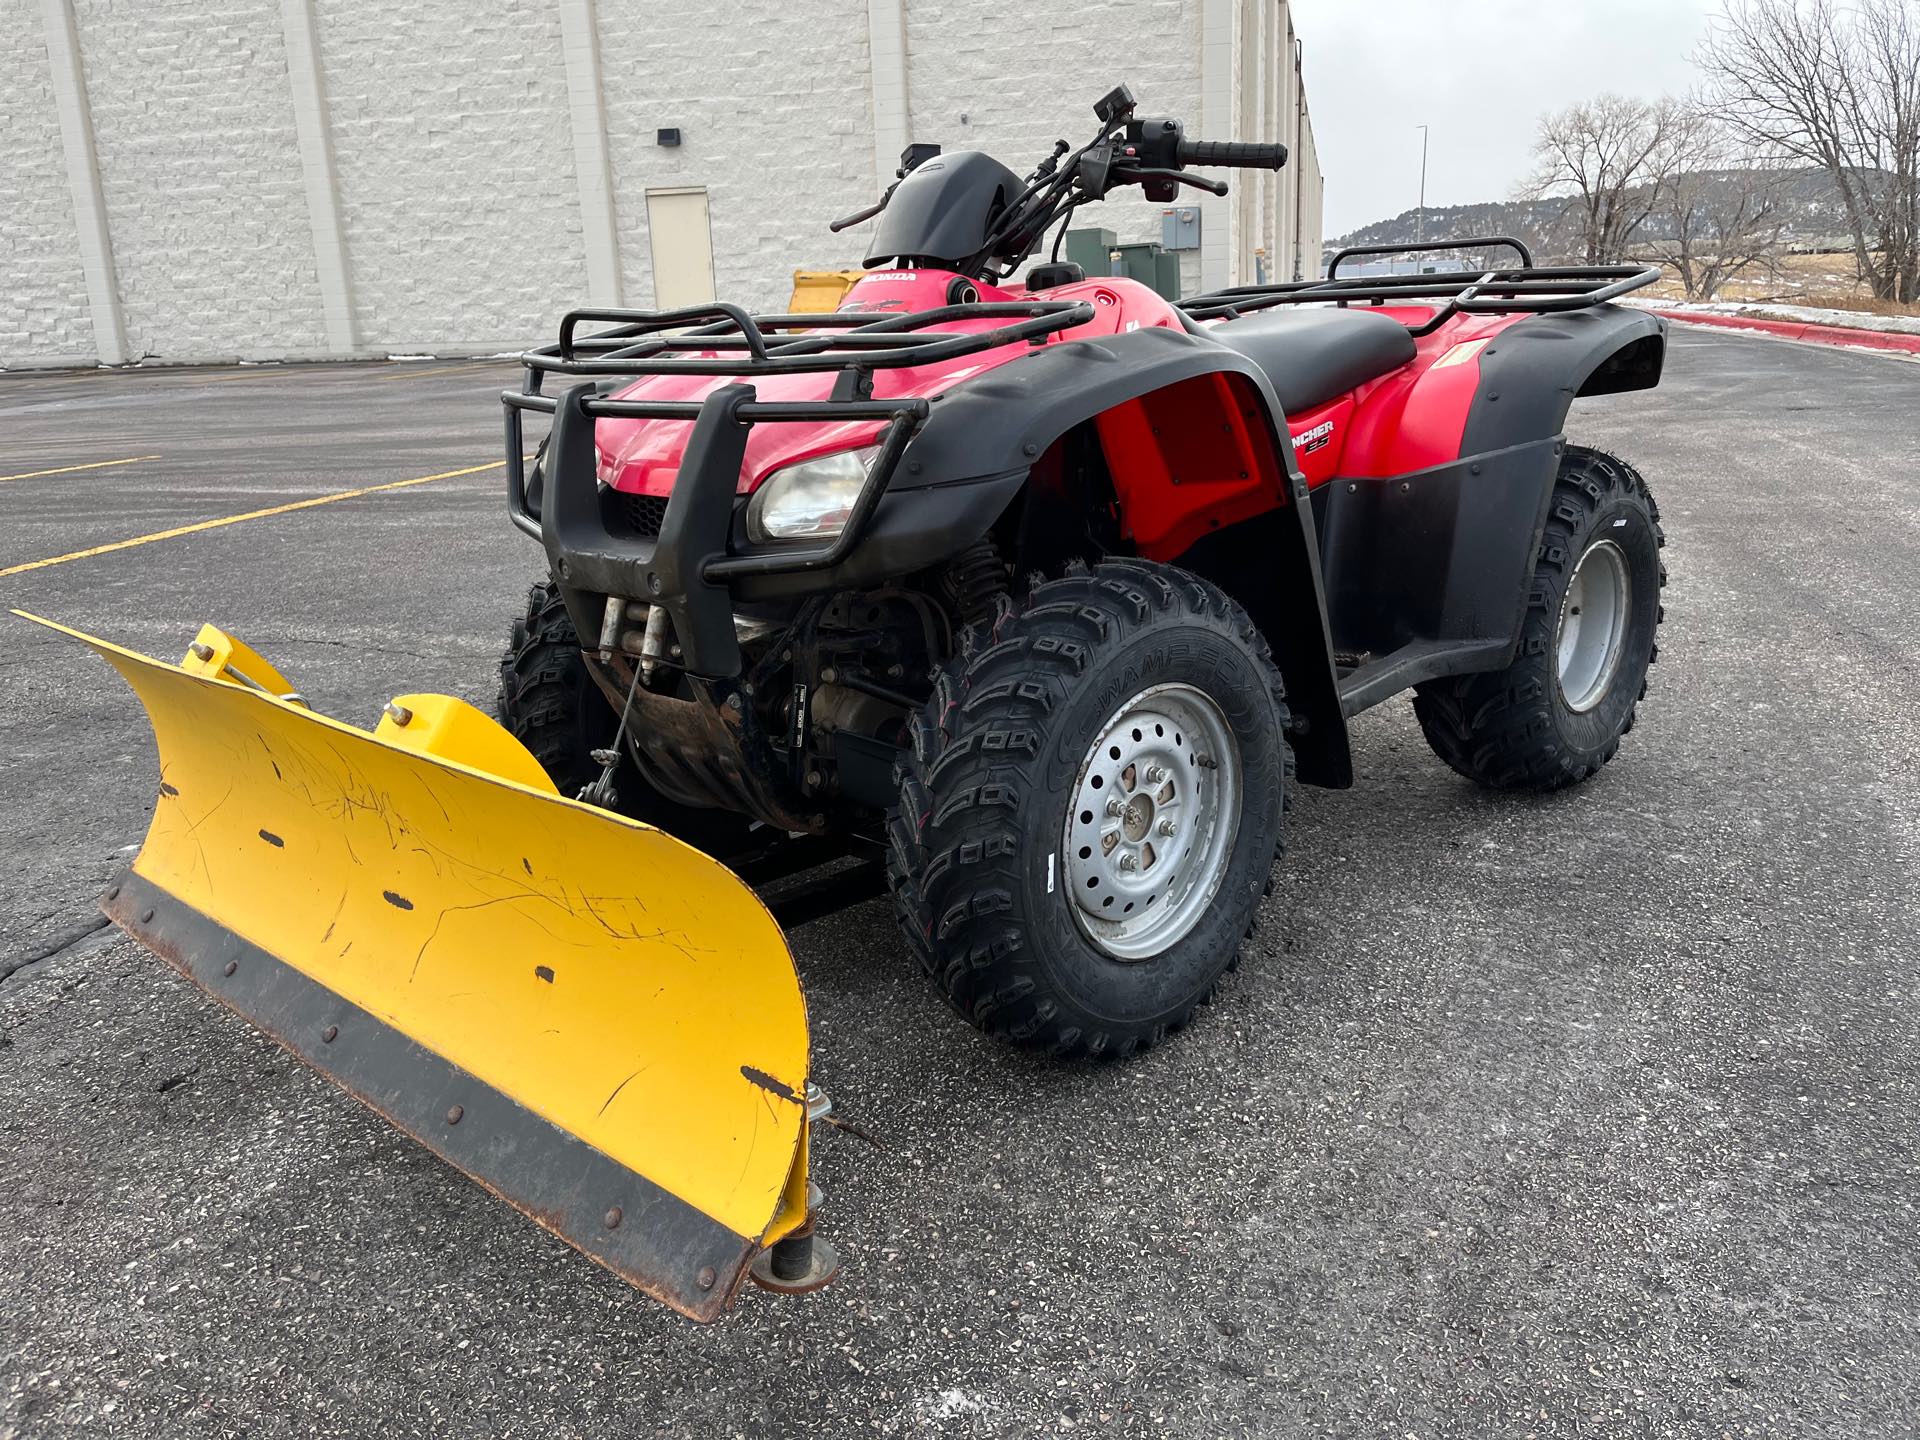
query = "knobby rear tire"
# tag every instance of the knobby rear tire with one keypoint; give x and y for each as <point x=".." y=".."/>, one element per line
<point x="1513" y="729"/>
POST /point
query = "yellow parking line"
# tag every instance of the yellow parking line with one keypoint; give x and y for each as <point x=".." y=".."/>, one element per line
<point x="69" y="469"/>
<point x="404" y="371"/>
<point x="200" y="525"/>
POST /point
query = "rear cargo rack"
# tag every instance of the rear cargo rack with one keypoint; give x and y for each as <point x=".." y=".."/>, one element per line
<point x="1523" y="289"/>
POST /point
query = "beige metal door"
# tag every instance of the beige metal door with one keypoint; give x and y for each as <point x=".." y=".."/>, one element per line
<point x="682" y="246"/>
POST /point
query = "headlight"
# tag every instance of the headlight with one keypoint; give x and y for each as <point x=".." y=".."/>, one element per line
<point x="811" y="500"/>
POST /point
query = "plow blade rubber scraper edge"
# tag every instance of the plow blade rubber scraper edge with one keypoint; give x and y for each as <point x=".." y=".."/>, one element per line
<point x="598" y="1023"/>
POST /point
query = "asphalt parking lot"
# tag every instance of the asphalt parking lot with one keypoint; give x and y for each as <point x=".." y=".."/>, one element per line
<point x="1587" y="1115"/>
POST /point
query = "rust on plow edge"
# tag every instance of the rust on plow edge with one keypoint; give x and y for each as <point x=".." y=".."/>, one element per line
<point x="644" y="1234"/>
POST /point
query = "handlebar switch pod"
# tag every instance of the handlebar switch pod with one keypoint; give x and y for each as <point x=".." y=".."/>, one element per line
<point x="1155" y="142"/>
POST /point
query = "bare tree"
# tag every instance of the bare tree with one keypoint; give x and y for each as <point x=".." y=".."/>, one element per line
<point x="1838" y="88"/>
<point x="1720" y="213"/>
<point x="1609" y="157"/>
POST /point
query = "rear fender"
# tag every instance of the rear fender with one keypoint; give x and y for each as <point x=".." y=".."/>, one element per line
<point x="1531" y="373"/>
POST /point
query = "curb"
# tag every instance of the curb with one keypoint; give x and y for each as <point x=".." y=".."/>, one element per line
<point x="1799" y="330"/>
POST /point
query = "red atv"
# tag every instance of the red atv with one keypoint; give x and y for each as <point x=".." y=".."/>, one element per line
<point x="1035" y="597"/>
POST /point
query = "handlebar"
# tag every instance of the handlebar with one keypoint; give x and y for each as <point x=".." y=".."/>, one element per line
<point x="836" y="226"/>
<point x="1246" y="155"/>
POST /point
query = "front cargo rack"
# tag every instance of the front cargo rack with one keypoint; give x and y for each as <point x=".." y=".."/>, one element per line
<point x="1523" y="289"/>
<point x="686" y="564"/>
<point x="725" y="340"/>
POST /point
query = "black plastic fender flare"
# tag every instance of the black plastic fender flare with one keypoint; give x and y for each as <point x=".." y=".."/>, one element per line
<point x="1531" y="372"/>
<point x="1006" y="419"/>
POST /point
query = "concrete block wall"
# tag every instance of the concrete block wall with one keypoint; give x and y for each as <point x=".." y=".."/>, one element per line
<point x="193" y="128"/>
<point x="207" y="180"/>
<point x="43" y="309"/>
<point x="455" y="163"/>
<point x="1013" y="82"/>
<point x="772" y="100"/>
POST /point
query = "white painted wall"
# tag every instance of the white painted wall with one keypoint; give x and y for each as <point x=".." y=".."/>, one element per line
<point x="193" y="127"/>
<point x="223" y="179"/>
<point x="43" y="310"/>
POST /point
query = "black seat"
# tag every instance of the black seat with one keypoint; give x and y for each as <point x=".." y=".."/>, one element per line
<point x="1310" y="356"/>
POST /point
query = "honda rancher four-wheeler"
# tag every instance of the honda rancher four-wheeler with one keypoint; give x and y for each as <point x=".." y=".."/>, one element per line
<point x="1032" y="596"/>
<point x="1045" y="590"/>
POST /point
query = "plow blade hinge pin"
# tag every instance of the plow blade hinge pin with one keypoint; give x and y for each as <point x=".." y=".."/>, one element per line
<point x="799" y="1263"/>
<point x="399" y="714"/>
<point x="201" y="651"/>
<point x="604" y="757"/>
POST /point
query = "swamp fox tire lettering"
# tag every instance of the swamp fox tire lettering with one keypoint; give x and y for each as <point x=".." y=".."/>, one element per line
<point x="973" y="849"/>
<point x="1514" y="729"/>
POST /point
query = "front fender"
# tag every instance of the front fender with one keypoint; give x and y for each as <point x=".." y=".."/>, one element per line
<point x="1008" y="418"/>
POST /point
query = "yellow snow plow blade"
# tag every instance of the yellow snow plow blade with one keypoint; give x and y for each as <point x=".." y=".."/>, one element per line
<point x="598" y="1023"/>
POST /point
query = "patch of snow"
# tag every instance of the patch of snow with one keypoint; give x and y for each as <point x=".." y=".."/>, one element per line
<point x="1799" y="314"/>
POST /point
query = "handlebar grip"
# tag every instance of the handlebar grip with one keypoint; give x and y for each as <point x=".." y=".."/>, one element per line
<point x="1246" y="155"/>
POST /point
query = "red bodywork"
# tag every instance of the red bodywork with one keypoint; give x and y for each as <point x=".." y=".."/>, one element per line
<point x="1184" y="460"/>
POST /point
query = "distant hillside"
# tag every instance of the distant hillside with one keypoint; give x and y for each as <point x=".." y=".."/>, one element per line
<point x="1815" y="221"/>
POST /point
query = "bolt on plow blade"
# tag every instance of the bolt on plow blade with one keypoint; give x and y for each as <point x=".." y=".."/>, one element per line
<point x="596" y="1022"/>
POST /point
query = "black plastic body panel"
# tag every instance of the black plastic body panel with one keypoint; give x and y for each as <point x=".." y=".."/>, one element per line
<point x="942" y="209"/>
<point x="1428" y="573"/>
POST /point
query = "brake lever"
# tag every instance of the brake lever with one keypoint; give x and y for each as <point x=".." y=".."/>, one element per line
<point x="1183" y="177"/>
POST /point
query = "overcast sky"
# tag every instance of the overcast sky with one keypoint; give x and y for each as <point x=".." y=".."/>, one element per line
<point x="1480" y="72"/>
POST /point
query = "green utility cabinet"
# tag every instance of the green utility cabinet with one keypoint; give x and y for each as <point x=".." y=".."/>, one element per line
<point x="1098" y="252"/>
<point x="1088" y="249"/>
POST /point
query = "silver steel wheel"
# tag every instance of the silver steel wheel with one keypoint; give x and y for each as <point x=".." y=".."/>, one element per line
<point x="1593" y="625"/>
<point x="1156" y="806"/>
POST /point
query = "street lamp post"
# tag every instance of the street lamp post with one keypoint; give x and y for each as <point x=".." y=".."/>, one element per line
<point x="1420" y="215"/>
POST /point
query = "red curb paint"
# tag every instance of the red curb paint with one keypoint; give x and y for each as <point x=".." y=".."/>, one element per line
<point x="1800" y="330"/>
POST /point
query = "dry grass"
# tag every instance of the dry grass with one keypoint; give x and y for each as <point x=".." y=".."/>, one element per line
<point x="1826" y="282"/>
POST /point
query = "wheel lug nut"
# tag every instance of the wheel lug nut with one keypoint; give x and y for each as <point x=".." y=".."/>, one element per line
<point x="1155" y="774"/>
<point x="1116" y="807"/>
<point x="1166" y="827"/>
<point x="1128" y="862"/>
